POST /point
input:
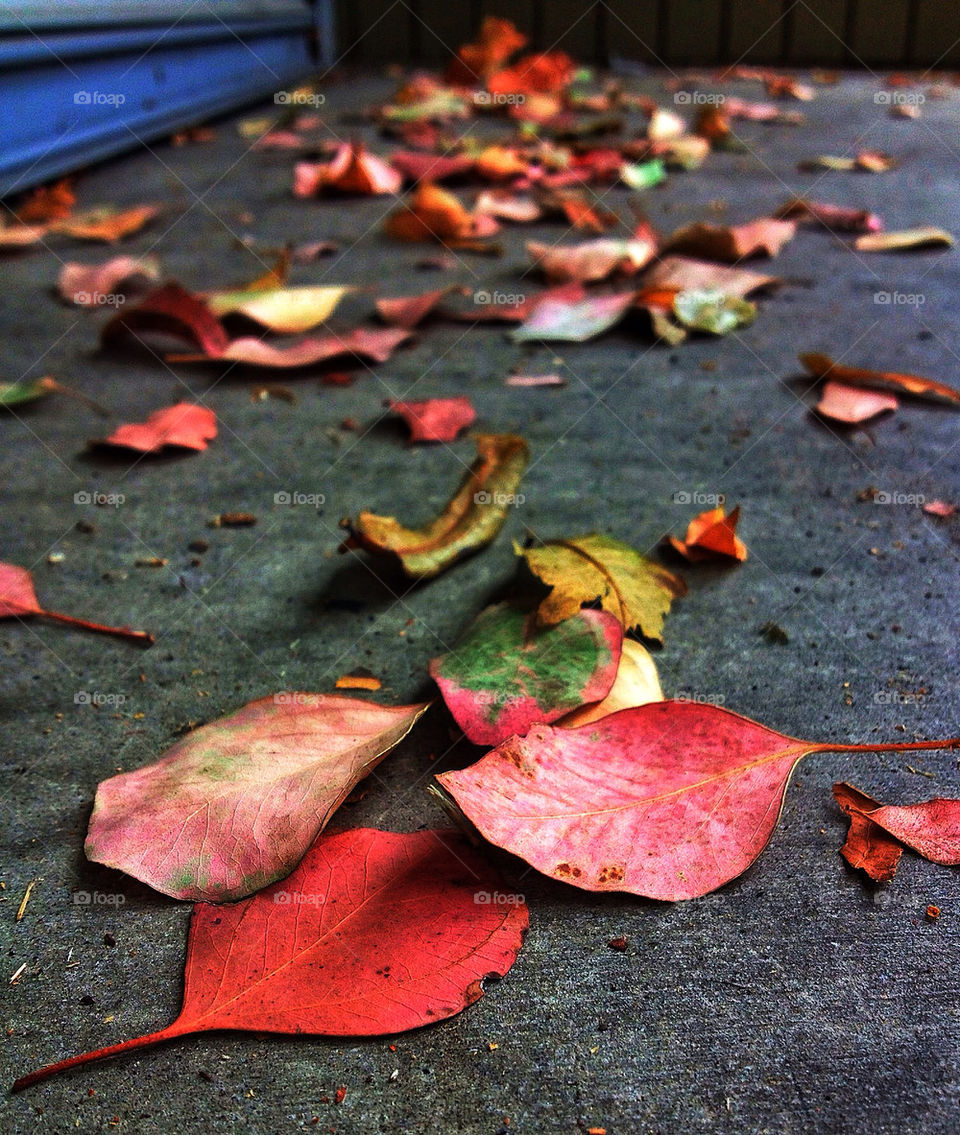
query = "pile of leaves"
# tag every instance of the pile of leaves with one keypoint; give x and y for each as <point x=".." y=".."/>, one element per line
<point x="591" y="776"/>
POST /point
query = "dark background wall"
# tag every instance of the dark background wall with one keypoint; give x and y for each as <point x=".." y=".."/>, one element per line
<point x="850" y="33"/>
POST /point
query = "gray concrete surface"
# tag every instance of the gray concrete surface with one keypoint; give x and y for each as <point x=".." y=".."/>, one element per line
<point x="799" y="998"/>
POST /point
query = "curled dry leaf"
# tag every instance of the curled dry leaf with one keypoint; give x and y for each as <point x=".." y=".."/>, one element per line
<point x="636" y="683"/>
<point x="503" y="675"/>
<point x="822" y="366"/>
<point x="311" y="955"/>
<point x="287" y="310"/>
<point x="853" y="404"/>
<point x="670" y="800"/>
<point x="878" y="832"/>
<point x="530" y="380"/>
<point x="587" y="569"/>
<point x="89" y="285"/>
<point x="924" y="236"/>
<point x="712" y="535"/>
<point x="840" y="218"/>
<point x="351" y="170"/>
<point x="869" y="161"/>
<point x="471" y="519"/>
<point x="683" y="274"/>
<point x="375" y="345"/>
<point x="168" y="311"/>
<point x="562" y="320"/>
<point x="731" y="243"/>
<point x="185" y="425"/>
<point x="18" y="598"/>
<point x="235" y="805"/>
<point x="436" y="419"/>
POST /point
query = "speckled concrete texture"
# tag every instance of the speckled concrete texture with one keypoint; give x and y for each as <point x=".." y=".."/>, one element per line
<point x="798" y="998"/>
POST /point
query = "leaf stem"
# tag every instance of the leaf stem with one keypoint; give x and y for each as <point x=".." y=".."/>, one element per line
<point x="98" y="1054"/>
<point x="890" y="746"/>
<point x="144" y="638"/>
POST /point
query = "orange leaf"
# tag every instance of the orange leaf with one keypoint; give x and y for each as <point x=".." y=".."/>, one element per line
<point x="822" y="366"/>
<point x="711" y="535"/>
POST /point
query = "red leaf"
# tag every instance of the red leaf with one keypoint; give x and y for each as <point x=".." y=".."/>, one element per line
<point x="436" y="419"/>
<point x="173" y="311"/>
<point x="932" y="829"/>
<point x="377" y="346"/>
<point x="409" y="311"/>
<point x="430" y="167"/>
<point x="17" y="598"/>
<point x="186" y="425"/>
<point x="235" y="804"/>
<point x="669" y="800"/>
<point x="374" y="933"/>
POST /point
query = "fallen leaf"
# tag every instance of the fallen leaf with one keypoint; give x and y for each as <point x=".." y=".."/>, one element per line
<point x="530" y="380"/>
<point x="433" y="214"/>
<point x="731" y="243"/>
<point x="683" y="274"/>
<point x="168" y="311"/>
<point x="14" y="237"/>
<point x="93" y="285"/>
<point x="287" y="310"/>
<point x="358" y="680"/>
<point x="311" y="955"/>
<point x="235" y="804"/>
<point x="351" y="170"/>
<point x="18" y="598"/>
<point x="375" y="345"/>
<point x="877" y="831"/>
<point x="436" y="419"/>
<point x="686" y="153"/>
<point x="496" y="41"/>
<point x="573" y="322"/>
<point x="185" y="425"/>
<point x="636" y="683"/>
<point x="416" y="166"/>
<point x="644" y="175"/>
<point x="925" y="236"/>
<point x="822" y="366"/>
<point x="107" y="223"/>
<point x="503" y="676"/>
<point x="712" y="311"/>
<point x="853" y="404"/>
<point x="409" y="311"/>
<point x="47" y="203"/>
<point x="711" y="535"/>
<point x="498" y="163"/>
<point x="313" y="250"/>
<point x="870" y="161"/>
<point x="840" y="218"/>
<point x="636" y="590"/>
<point x="939" y="508"/>
<point x="15" y="393"/>
<point x="471" y="519"/>
<point x="591" y="260"/>
<point x="545" y="73"/>
<point x="670" y="800"/>
<point x="507" y="206"/>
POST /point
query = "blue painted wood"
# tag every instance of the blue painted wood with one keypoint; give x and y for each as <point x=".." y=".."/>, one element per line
<point x="75" y="92"/>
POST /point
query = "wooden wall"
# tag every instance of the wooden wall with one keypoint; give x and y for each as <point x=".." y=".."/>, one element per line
<point x="849" y="33"/>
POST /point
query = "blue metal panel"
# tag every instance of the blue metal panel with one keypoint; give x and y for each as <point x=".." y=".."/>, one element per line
<point x="74" y="95"/>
